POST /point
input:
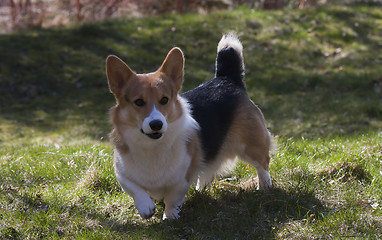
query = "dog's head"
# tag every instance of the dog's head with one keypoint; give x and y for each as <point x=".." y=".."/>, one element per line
<point x="147" y="101"/>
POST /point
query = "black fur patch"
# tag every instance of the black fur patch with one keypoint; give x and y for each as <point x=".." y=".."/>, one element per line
<point x="229" y="64"/>
<point x="213" y="106"/>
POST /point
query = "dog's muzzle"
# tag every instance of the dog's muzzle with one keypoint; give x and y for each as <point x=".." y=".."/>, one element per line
<point x="154" y="135"/>
<point x="156" y="127"/>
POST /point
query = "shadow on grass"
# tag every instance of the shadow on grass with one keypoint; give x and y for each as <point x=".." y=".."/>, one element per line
<point x="244" y="214"/>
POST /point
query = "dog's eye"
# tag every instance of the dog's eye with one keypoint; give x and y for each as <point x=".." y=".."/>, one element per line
<point x="163" y="101"/>
<point x="139" y="102"/>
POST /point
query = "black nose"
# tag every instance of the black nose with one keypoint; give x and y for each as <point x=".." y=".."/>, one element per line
<point x="156" y="125"/>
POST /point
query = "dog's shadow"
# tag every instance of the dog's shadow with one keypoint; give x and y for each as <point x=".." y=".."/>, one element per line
<point x="243" y="214"/>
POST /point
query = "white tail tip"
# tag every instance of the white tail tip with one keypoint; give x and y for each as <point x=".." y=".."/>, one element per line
<point x="231" y="40"/>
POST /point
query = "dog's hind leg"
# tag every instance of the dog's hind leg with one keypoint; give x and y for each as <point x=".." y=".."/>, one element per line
<point x="251" y="134"/>
<point x="206" y="176"/>
<point x="259" y="159"/>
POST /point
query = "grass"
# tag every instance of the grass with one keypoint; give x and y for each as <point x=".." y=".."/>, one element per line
<point x="315" y="73"/>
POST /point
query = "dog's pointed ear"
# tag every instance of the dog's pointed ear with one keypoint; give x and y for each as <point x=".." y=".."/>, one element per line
<point x="173" y="67"/>
<point x="118" y="73"/>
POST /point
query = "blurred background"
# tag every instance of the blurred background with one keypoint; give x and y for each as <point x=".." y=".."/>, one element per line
<point x="21" y="14"/>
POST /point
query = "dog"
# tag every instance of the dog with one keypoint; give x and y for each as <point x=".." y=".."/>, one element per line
<point x="165" y="141"/>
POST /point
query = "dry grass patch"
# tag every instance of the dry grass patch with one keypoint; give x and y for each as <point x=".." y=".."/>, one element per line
<point x="345" y="171"/>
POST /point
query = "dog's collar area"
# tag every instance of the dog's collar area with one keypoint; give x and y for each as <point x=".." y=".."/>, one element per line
<point x="154" y="135"/>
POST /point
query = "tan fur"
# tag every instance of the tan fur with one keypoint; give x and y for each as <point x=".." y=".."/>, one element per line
<point x="194" y="150"/>
<point x="249" y="129"/>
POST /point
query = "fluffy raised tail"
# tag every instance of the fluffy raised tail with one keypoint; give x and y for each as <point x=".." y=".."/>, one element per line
<point x="229" y="60"/>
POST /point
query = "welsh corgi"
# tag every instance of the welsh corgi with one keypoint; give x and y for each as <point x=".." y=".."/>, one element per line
<point x="165" y="141"/>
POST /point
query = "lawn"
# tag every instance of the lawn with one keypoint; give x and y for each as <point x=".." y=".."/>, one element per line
<point x="315" y="73"/>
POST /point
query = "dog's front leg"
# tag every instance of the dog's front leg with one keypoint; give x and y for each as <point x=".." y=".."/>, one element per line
<point x="144" y="204"/>
<point x="142" y="199"/>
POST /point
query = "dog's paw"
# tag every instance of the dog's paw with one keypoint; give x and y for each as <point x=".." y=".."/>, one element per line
<point x="265" y="182"/>
<point x="145" y="207"/>
<point x="171" y="213"/>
